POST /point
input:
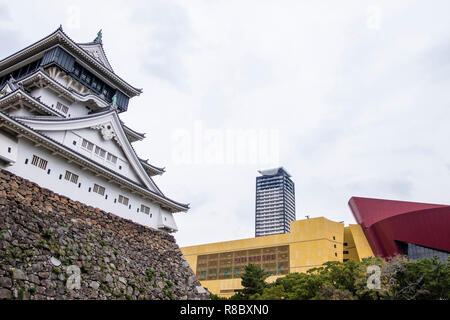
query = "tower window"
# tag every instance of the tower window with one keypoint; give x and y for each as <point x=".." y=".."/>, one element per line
<point x="72" y="177"/>
<point x="111" y="158"/>
<point x="123" y="200"/>
<point x="100" y="152"/>
<point x="145" y="209"/>
<point x="62" y="107"/>
<point x="87" y="145"/>
<point x="99" y="189"/>
<point x="39" y="162"/>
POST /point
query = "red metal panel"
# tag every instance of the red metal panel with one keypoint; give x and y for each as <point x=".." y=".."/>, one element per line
<point x="387" y="221"/>
<point x="368" y="211"/>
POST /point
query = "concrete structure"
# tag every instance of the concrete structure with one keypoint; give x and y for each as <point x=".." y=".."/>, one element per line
<point x="275" y="202"/>
<point x="309" y="244"/>
<point x="60" y="127"/>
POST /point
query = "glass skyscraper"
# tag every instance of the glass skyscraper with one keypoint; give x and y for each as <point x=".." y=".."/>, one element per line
<point x="275" y="202"/>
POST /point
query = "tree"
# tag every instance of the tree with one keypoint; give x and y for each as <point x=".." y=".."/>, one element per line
<point x="399" y="279"/>
<point x="423" y="279"/>
<point x="253" y="281"/>
<point x="274" y="292"/>
<point x="331" y="293"/>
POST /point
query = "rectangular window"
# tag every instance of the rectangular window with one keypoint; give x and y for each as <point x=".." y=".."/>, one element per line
<point x="39" y="162"/>
<point x="100" y="152"/>
<point x="346" y="252"/>
<point x="72" y="177"/>
<point x="145" y="209"/>
<point x="111" y="158"/>
<point x="87" y="145"/>
<point x="99" y="189"/>
<point x="123" y="200"/>
<point x="61" y="107"/>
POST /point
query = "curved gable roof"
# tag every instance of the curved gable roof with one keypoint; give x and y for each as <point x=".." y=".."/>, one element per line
<point x="109" y="116"/>
<point x="96" y="50"/>
<point x="58" y="37"/>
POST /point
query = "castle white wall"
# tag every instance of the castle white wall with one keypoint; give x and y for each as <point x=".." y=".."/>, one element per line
<point x="50" y="98"/>
<point x="8" y="148"/>
<point x="67" y="138"/>
<point x="53" y="178"/>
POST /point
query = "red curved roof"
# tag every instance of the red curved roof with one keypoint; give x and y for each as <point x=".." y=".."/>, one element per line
<point x="386" y="221"/>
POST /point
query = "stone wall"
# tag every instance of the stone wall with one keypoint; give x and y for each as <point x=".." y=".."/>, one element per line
<point x="54" y="248"/>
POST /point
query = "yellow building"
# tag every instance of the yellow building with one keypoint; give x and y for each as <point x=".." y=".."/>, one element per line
<point x="310" y="243"/>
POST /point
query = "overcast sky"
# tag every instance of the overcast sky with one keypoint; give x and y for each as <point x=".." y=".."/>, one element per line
<point x="351" y="97"/>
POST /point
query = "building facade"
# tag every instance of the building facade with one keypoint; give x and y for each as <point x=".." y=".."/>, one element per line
<point x="385" y="228"/>
<point x="416" y="230"/>
<point x="60" y="127"/>
<point x="309" y="244"/>
<point x="275" y="202"/>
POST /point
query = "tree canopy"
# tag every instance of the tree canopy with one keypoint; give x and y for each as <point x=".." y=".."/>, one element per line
<point x="400" y="279"/>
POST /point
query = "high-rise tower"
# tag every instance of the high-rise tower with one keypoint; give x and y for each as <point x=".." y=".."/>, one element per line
<point x="275" y="202"/>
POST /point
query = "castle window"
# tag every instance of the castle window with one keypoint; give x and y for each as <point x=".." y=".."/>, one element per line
<point x="77" y="71"/>
<point x="100" y="152"/>
<point x="111" y="158"/>
<point x="345" y="252"/>
<point x="61" y="107"/>
<point x="87" y="145"/>
<point x="72" y="177"/>
<point x="123" y="200"/>
<point x="99" y="189"/>
<point x="145" y="209"/>
<point x="39" y="162"/>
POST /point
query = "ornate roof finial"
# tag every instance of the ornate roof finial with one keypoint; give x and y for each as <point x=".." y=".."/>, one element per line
<point x="99" y="36"/>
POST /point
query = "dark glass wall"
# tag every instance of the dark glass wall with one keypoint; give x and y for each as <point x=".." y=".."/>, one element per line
<point x="64" y="60"/>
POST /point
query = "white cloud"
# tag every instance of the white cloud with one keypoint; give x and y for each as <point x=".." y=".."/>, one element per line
<point x="361" y="111"/>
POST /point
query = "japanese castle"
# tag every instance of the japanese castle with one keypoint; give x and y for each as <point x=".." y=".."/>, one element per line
<point x="60" y="127"/>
